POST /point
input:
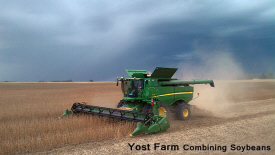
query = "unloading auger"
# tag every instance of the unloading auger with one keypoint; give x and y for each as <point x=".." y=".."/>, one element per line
<point x="149" y="100"/>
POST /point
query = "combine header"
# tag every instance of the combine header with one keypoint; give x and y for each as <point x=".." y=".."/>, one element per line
<point x="149" y="99"/>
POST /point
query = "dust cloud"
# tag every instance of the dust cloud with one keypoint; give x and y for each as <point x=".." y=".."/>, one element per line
<point x="222" y="67"/>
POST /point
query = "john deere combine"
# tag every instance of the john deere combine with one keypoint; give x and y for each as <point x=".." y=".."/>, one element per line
<point x="149" y="99"/>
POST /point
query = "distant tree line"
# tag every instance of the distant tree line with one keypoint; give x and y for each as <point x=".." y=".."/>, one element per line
<point x="269" y="75"/>
<point x="51" y="81"/>
<point x="63" y="81"/>
<point x="57" y="81"/>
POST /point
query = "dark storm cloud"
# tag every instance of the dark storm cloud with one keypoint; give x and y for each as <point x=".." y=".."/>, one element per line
<point x="82" y="40"/>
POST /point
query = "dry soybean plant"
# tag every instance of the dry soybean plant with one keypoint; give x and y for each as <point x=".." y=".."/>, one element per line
<point x="30" y="135"/>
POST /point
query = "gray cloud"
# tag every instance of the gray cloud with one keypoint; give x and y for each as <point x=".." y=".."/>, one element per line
<point x="82" y="40"/>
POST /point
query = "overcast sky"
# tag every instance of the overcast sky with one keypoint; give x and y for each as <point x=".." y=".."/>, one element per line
<point x="84" y="40"/>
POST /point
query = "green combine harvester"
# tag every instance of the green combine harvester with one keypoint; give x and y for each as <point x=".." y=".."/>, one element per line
<point x="149" y="99"/>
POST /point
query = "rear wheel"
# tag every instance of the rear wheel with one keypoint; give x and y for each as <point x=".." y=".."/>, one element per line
<point x="183" y="111"/>
<point x="164" y="110"/>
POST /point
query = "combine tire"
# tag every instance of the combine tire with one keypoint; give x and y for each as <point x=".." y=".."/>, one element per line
<point x="121" y="103"/>
<point x="183" y="111"/>
<point x="147" y="109"/>
<point x="164" y="110"/>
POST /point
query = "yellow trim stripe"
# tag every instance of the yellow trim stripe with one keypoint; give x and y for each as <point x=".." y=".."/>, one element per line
<point x="180" y="93"/>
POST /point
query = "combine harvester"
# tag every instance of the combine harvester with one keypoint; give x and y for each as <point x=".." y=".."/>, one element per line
<point x="149" y="99"/>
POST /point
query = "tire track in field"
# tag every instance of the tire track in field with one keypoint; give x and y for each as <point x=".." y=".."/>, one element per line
<point x="240" y="111"/>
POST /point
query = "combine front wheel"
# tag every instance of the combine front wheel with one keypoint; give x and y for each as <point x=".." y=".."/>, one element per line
<point x="182" y="111"/>
<point x="164" y="110"/>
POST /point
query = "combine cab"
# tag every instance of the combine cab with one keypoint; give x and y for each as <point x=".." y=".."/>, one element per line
<point x="149" y="99"/>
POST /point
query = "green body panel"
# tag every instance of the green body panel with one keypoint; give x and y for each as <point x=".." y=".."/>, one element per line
<point x="66" y="113"/>
<point x="163" y="123"/>
<point x="184" y="93"/>
<point x="154" y="128"/>
<point x="155" y="107"/>
<point x="161" y="72"/>
<point x="159" y="124"/>
<point x="170" y="95"/>
<point x="141" y="128"/>
<point x="153" y="82"/>
<point x="165" y="94"/>
<point x="131" y="72"/>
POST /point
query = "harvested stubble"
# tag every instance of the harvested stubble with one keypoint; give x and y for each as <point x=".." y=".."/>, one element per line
<point x="29" y="117"/>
